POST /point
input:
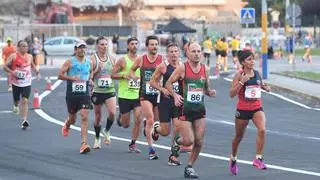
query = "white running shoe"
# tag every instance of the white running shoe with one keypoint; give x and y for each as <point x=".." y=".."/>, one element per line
<point x="15" y="109"/>
<point x="97" y="143"/>
<point x="106" y="135"/>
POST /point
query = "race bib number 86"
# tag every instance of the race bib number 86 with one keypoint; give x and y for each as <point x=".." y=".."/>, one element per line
<point x="79" y="86"/>
<point x="194" y="94"/>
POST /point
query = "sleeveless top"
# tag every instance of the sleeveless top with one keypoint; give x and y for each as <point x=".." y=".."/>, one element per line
<point x="22" y="70"/>
<point x="80" y="87"/>
<point x="192" y="88"/>
<point x="146" y="71"/>
<point x="129" y="89"/>
<point x="102" y="80"/>
<point x="175" y="85"/>
<point x="249" y="96"/>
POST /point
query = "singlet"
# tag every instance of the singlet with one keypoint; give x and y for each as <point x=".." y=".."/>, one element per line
<point x="22" y="70"/>
<point x="103" y="82"/>
<point x="249" y="96"/>
<point x="175" y="85"/>
<point x="129" y="89"/>
<point x="192" y="89"/>
<point x="81" y="87"/>
<point x="146" y="71"/>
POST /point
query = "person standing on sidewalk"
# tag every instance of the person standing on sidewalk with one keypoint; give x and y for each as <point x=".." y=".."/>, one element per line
<point x="6" y="52"/>
<point x="128" y="93"/>
<point x="247" y="86"/>
<point x="193" y="78"/>
<point x="167" y="110"/>
<point x="307" y="48"/>
<point x="19" y="66"/>
<point x="103" y="90"/>
<point x="35" y="51"/>
<point x="76" y="71"/>
<point x="148" y="95"/>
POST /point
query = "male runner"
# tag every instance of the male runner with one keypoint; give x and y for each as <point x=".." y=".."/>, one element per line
<point x="6" y="52"/>
<point x="128" y="92"/>
<point x="194" y="83"/>
<point x="103" y="90"/>
<point x="167" y="109"/>
<point x="147" y="94"/>
<point x="19" y="65"/>
<point x="76" y="71"/>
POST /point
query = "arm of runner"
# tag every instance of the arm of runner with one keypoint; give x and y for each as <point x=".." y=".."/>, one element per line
<point x="62" y="72"/>
<point x="8" y="63"/>
<point x="207" y="88"/>
<point x="118" y="67"/>
<point x="177" y="74"/>
<point x="155" y="79"/>
<point x="238" y="81"/>
<point x="137" y="63"/>
<point x="264" y="86"/>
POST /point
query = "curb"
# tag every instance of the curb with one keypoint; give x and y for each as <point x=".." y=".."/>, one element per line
<point x="312" y="101"/>
<point x="296" y="77"/>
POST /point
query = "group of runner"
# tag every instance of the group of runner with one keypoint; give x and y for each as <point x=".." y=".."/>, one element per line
<point x="159" y="88"/>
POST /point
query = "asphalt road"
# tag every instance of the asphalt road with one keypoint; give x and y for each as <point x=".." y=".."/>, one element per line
<point x="42" y="153"/>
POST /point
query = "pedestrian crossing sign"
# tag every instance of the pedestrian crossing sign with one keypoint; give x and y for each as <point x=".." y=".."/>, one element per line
<point x="247" y="16"/>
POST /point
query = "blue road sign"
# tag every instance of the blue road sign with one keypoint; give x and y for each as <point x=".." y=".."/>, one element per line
<point x="247" y="16"/>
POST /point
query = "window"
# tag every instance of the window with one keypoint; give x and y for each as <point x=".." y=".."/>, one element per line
<point x="68" y="41"/>
<point x="55" y="42"/>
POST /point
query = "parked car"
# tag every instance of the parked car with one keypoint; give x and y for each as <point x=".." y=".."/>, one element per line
<point x="62" y="45"/>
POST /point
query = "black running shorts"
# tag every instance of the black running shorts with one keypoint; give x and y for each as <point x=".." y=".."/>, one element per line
<point x="20" y="91"/>
<point x="126" y="105"/>
<point x="100" y="98"/>
<point x="75" y="103"/>
<point x="246" y="114"/>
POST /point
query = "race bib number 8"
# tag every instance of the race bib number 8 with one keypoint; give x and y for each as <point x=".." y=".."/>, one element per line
<point x="79" y="86"/>
<point x="150" y="90"/>
<point x="253" y="92"/>
<point x="21" y="74"/>
<point x="134" y="84"/>
<point x="104" y="82"/>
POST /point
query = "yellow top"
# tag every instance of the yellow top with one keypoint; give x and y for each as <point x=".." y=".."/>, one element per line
<point x="219" y="45"/>
<point x="207" y="46"/>
<point x="235" y="44"/>
<point x="224" y="46"/>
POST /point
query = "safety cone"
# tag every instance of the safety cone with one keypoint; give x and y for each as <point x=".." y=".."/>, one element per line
<point x="49" y="84"/>
<point x="36" y="100"/>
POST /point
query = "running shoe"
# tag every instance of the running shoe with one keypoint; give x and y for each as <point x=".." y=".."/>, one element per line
<point x="97" y="143"/>
<point x="134" y="149"/>
<point x="15" y="109"/>
<point x="259" y="164"/>
<point x="65" y="130"/>
<point x="233" y="167"/>
<point x="185" y="149"/>
<point x="144" y="127"/>
<point x="154" y="134"/>
<point x="24" y="124"/>
<point x="173" y="161"/>
<point x="106" y="135"/>
<point x="190" y="173"/>
<point x="85" y="148"/>
<point x="152" y="154"/>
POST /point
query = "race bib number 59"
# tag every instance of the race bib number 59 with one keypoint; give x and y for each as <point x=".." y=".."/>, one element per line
<point x="79" y="86"/>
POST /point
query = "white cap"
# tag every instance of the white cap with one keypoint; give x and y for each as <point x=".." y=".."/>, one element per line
<point x="81" y="43"/>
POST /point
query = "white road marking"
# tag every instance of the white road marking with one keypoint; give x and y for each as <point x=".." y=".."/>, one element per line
<point x="45" y="116"/>
<point x="33" y="78"/>
<point x="5" y="112"/>
<point x="285" y="99"/>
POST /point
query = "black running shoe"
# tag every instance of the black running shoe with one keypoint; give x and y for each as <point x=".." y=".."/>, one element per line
<point x="173" y="161"/>
<point x="190" y="173"/>
<point x="24" y="125"/>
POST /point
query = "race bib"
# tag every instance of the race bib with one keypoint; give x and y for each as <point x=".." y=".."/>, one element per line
<point x="150" y="90"/>
<point x="79" y="86"/>
<point x="104" y="81"/>
<point x="21" y="75"/>
<point x="252" y="92"/>
<point x="134" y="84"/>
<point x="194" y="95"/>
<point x="175" y="87"/>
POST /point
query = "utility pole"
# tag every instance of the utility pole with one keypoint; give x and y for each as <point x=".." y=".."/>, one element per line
<point x="264" y="40"/>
